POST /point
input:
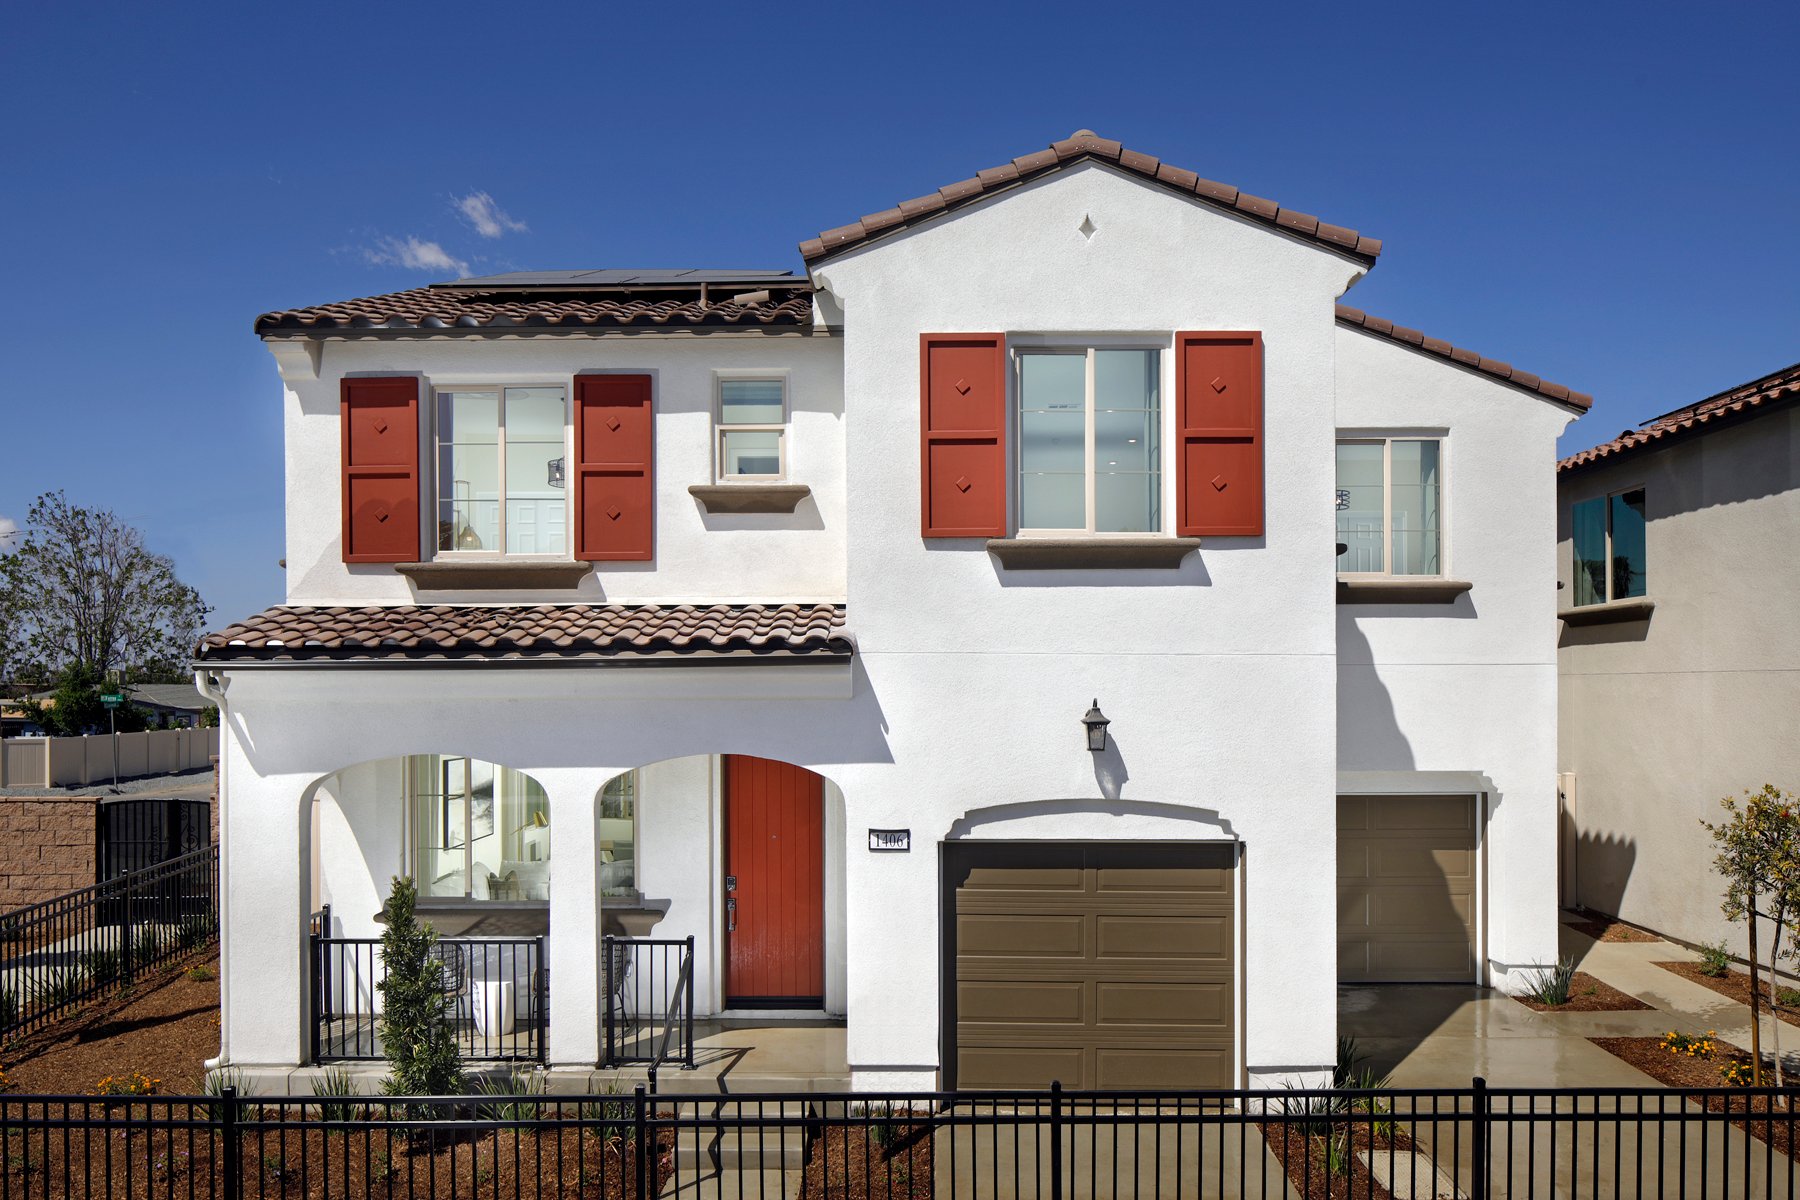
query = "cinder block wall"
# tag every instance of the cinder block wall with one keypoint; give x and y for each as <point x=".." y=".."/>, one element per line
<point x="46" y="847"/>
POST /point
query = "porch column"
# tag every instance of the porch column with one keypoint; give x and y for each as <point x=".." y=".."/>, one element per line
<point x="573" y="1037"/>
<point x="263" y="923"/>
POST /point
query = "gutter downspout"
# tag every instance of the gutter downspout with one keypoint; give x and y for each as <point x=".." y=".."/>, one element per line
<point x="212" y="685"/>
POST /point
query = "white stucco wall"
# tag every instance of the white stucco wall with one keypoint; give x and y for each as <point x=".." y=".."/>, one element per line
<point x="1471" y="686"/>
<point x="699" y="556"/>
<point x="1663" y="718"/>
<point x="1218" y="676"/>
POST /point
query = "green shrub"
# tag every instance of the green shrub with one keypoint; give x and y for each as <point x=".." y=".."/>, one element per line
<point x="1788" y="997"/>
<point x="416" y="1032"/>
<point x="148" y="946"/>
<point x="195" y="931"/>
<point x="508" y="1095"/>
<point x="101" y="966"/>
<point x="10" y="1008"/>
<point x="1715" y="960"/>
<point x="606" y="1120"/>
<point x="1550" y="985"/>
<point x="216" y="1083"/>
<point x="335" y="1086"/>
<point x="202" y="974"/>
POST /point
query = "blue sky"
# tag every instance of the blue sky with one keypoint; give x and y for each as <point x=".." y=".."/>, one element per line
<point x="1604" y="194"/>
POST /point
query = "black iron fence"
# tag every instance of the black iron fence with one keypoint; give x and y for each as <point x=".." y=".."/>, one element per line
<point x="495" y="988"/>
<point x="63" y="952"/>
<point x="143" y="831"/>
<point x="649" y="995"/>
<point x="1474" y="1142"/>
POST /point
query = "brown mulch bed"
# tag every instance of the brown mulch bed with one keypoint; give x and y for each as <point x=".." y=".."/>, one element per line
<point x="1679" y="1071"/>
<point x="1736" y="985"/>
<point x="854" y="1162"/>
<point x="397" y="1160"/>
<point x="1587" y="994"/>
<point x="1607" y="930"/>
<point x="1306" y="1157"/>
<point x="166" y="1027"/>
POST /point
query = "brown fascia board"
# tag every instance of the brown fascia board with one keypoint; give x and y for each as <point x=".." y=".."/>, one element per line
<point x="1081" y="146"/>
<point x="1356" y="318"/>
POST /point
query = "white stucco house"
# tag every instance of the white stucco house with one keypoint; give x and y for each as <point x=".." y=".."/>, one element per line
<point x="771" y="610"/>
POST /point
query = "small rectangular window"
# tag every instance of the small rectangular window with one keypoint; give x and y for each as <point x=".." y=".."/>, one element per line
<point x="1090" y="441"/>
<point x="1390" y="506"/>
<point x="501" y="455"/>
<point x="752" y="429"/>
<point x="1609" y="535"/>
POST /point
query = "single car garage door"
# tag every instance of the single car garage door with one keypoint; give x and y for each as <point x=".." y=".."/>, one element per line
<point x="1406" y="889"/>
<point x="1102" y="965"/>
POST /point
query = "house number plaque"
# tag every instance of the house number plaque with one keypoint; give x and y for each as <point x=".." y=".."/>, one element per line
<point x="890" y="839"/>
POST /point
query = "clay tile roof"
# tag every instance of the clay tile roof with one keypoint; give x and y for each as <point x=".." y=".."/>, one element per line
<point x="1356" y="318"/>
<point x="1744" y="400"/>
<point x="532" y="635"/>
<point x="1080" y="145"/>
<point x="547" y="310"/>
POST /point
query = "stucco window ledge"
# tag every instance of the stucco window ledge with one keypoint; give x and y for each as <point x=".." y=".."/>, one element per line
<point x="1092" y="553"/>
<point x="495" y="575"/>
<point x="749" y="497"/>
<point x="1401" y="591"/>
<point x="1613" y="612"/>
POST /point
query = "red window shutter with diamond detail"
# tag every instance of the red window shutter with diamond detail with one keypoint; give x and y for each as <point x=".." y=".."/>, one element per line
<point x="380" y="419"/>
<point x="1219" y="399"/>
<point x="962" y="434"/>
<point x="615" y="469"/>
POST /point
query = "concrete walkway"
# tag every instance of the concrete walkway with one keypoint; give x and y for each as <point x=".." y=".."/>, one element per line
<point x="1444" y="1036"/>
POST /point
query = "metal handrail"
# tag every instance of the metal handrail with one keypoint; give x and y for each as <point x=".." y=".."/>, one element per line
<point x="682" y="997"/>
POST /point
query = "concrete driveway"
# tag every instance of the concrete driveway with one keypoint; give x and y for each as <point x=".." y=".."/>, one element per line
<point x="1445" y="1035"/>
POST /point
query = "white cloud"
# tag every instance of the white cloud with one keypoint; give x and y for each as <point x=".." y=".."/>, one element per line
<point x="415" y="255"/>
<point x="10" y="537"/>
<point x="485" y="217"/>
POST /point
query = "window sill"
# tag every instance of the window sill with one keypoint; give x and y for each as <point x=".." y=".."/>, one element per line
<point x="1401" y="591"/>
<point x="1092" y="553"/>
<point x="749" y="497"/>
<point x="495" y="575"/>
<point x="1613" y="612"/>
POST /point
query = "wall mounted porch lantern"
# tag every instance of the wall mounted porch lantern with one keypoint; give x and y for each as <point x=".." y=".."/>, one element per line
<point x="1096" y="723"/>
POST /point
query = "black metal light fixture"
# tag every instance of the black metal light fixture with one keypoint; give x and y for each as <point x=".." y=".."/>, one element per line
<point x="1096" y="723"/>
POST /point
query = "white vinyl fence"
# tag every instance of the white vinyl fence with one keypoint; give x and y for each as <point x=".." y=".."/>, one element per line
<point x="78" y="761"/>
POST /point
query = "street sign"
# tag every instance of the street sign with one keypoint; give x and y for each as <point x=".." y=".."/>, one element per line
<point x="112" y="699"/>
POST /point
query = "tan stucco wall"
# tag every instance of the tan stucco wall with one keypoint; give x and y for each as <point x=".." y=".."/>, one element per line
<point x="1662" y="718"/>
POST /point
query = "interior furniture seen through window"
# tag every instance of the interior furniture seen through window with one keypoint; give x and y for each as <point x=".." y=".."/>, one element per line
<point x="618" y="835"/>
<point x="501" y="458"/>
<point x="1390" y="506"/>
<point x="1608" y="532"/>
<point x="752" y="429"/>
<point x="1090" y="441"/>
<point x="478" y="831"/>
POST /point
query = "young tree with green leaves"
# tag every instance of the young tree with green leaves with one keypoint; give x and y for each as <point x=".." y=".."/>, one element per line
<point x="81" y="590"/>
<point x="74" y="708"/>
<point x="1759" y="856"/>
<point x="416" y="1033"/>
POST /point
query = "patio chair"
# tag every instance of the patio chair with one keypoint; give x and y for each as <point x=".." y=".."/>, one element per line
<point x="618" y="951"/>
<point x="455" y="966"/>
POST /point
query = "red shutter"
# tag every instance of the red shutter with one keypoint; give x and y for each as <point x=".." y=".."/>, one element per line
<point x="962" y="434"/>
<point x="380" y="419"/>
<point x="615" y="469"/>
<point x="1219" y="395"/>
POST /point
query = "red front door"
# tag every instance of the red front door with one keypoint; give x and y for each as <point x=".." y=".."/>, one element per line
<point x="775" y="884"/>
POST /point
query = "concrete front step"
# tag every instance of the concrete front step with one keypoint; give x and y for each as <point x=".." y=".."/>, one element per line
<point x="752" y="1147"/>
<point x="708" y="1184"/>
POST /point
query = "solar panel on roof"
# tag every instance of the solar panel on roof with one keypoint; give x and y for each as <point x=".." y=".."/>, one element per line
<point x="624" y="277"/>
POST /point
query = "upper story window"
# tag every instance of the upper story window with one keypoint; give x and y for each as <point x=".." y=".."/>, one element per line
<point x="501" y="470"/>
<point x="1090" y="441"/>
<point x="752" y="429"/>
<point x="1390" y="506"/>
<point x="1608" y="532"/>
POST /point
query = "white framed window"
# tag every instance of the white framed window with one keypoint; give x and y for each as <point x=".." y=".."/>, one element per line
<point x="618" y="835"/>
<point x="1089" y="457"/>
<point x="1609" y="536"/>
<point x="501" y="470"/>
<point x="1390" y="515"/>
<point x="476" y="830"/>
<point x="750" y="422"/>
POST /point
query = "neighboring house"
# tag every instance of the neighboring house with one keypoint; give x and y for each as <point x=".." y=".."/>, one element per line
<point x="768" y="609"/>
<point x="170" y="705"/>
<point x="1679" y="557"/>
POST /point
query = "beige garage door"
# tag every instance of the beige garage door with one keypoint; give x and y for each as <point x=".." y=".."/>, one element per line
<point x="1406" y="889"/>
<point x="1102" y="965"/>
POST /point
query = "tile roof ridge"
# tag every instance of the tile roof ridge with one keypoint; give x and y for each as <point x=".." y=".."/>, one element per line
<point x="1503" y="371"/>
<point x="1080" y="145"/>
<point x="1773" y="388"/>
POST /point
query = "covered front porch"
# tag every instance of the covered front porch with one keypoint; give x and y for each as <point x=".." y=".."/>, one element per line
<point x="713" y="917"/>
